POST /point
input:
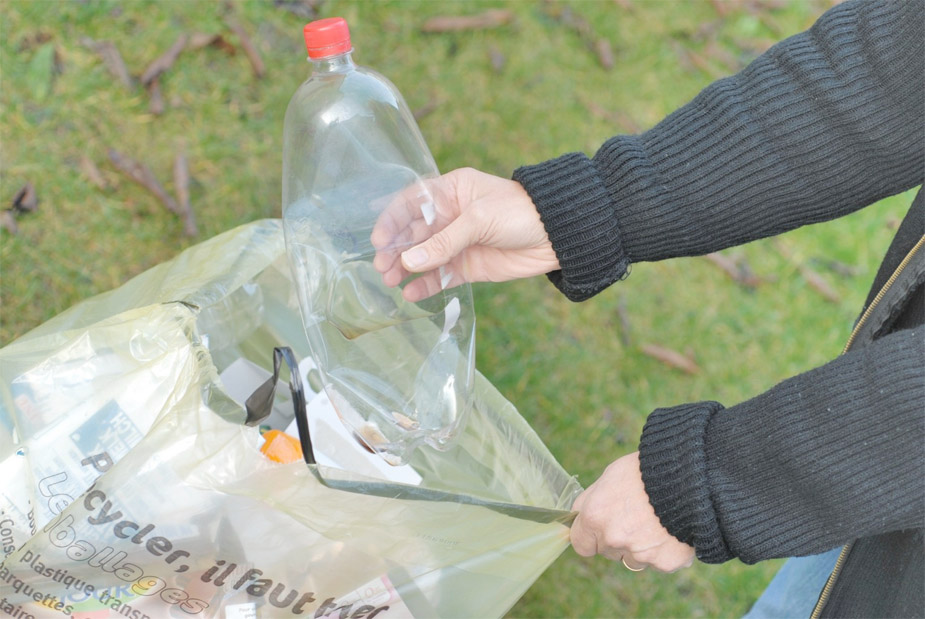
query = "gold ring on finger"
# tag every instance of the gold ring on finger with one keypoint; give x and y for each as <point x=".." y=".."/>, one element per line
<point x="632" y="569"/>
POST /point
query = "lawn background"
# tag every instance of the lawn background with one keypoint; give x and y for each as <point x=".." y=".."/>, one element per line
<point x="492" y="99"/>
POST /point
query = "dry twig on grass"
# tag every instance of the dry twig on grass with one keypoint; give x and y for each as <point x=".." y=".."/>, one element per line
<point x="198" y="40"/>
<point x="8" y="221"/>
<point x="181" y="186"/>
<point x="25" y="201"/>
<point x="244" y="39"/>
<point x="142" y="175"/>
<point x="427" y="109"/>
<point x="671" y="358"/>
<point x="112" y="60"/>
<point x="620" y="120"/>
<point x="164" y="61"/>
<point x="599" y="46"/>
<point x="812" y="278"/>
<point x="92" y="172"/>
<point x="493" y="18"/>
<point x="819" y="284"/>
<point x="738" y="270"/>
<point x="156" y="104"/>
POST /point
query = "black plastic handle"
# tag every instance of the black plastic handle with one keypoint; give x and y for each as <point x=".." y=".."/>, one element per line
<point x="260" y="403"/>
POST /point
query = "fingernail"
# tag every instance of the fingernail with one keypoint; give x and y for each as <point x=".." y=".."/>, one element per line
<point x="414" y="258"/>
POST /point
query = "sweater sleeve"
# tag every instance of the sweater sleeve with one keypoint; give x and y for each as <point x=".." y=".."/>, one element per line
<point x="822" y="124"/>
<point x="820" y="459"/>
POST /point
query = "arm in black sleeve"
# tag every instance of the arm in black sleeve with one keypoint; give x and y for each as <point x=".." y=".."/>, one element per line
<point x="822" y="124"/>
<point x="822" y="458"/>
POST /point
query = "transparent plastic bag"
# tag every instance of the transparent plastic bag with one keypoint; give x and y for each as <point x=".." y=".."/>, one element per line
<point x="178" y="514"/>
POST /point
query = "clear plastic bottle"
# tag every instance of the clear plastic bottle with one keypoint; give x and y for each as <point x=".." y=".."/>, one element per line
<point x="399" y="374"/>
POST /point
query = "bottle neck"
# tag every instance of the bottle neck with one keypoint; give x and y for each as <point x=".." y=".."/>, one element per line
<point x="339" y="63"/>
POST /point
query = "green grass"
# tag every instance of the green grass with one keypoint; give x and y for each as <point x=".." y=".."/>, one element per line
<point x="564" y="365"/>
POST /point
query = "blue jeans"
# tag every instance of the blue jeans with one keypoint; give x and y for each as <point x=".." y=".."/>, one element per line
<point x="795" y="588"/>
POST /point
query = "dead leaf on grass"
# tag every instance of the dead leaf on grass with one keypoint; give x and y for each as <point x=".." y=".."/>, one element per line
<point x="427" y="109"/>
<point x="92" y="172"/>
<point x="142" y="175"/>
<point x="198" y="40"/>
<point x="156" y="104"/>
<point x="253" y="56"/>
<point x="164" y="61"/>
<point x="819" y="284"/>
<point x="621" y="120"/>
<point x="738" y="270"/>
<point x="112" y="60"/>
<point x="8" y="221"/>
<point x="493" y="18"/>
<point x="25" y="200"/>
<point x="671" y="358"/>
<point x="599" y="46"/>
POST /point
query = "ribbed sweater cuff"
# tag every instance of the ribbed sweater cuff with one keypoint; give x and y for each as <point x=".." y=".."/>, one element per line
<point x="576" y="209"/>
<point x="673" y="463"/>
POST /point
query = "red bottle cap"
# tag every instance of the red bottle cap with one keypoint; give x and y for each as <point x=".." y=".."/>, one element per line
<point x="327" y="37"/>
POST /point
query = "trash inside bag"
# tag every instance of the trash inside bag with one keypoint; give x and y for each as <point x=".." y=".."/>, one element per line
<point x="132" y="486"/>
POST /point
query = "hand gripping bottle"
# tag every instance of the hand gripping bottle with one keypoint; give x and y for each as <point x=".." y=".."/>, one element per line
<point x="399" y="374"/>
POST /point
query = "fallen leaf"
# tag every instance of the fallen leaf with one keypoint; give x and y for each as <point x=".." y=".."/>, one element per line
<point x="620" y="120"/>
<point x="427" y="109"/>
<point x="580" y="26"/>
<point x="493" y="18"/>
<point x="604" y="53"/>
<point x="112" y="60"/>
<point x="738" y="270"/>
<point x="691" y="59"/>
<point x="671" y="358"/>
<point x="156" y="105"/>
<point x="164" y="61"/>
<point x="838" y="267"/>
<point x="819" y="284"/>
<point x="244" y="39"/>
<point x="718" y="53"/>
<point x="142" y="175"/>
<point x="8" y="221"/>
<point x="92" y="172"/>
<point x="25" y="200"/>
<point x="31" y="41"/>
<point x="198" y="40"/>
<point x="814" y="279"/>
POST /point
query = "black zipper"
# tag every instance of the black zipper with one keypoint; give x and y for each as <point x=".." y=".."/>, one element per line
<point x="843" y="556"/>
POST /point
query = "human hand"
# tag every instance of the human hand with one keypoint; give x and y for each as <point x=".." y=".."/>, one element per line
<point x="616" y="520"/>
<point x="479" y="228"/>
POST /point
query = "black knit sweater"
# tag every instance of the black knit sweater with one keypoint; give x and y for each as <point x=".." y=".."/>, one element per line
<point x="821" y="125"/>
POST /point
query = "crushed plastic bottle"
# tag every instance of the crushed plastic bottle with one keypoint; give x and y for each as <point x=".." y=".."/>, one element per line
<point x="353" y="157"/>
